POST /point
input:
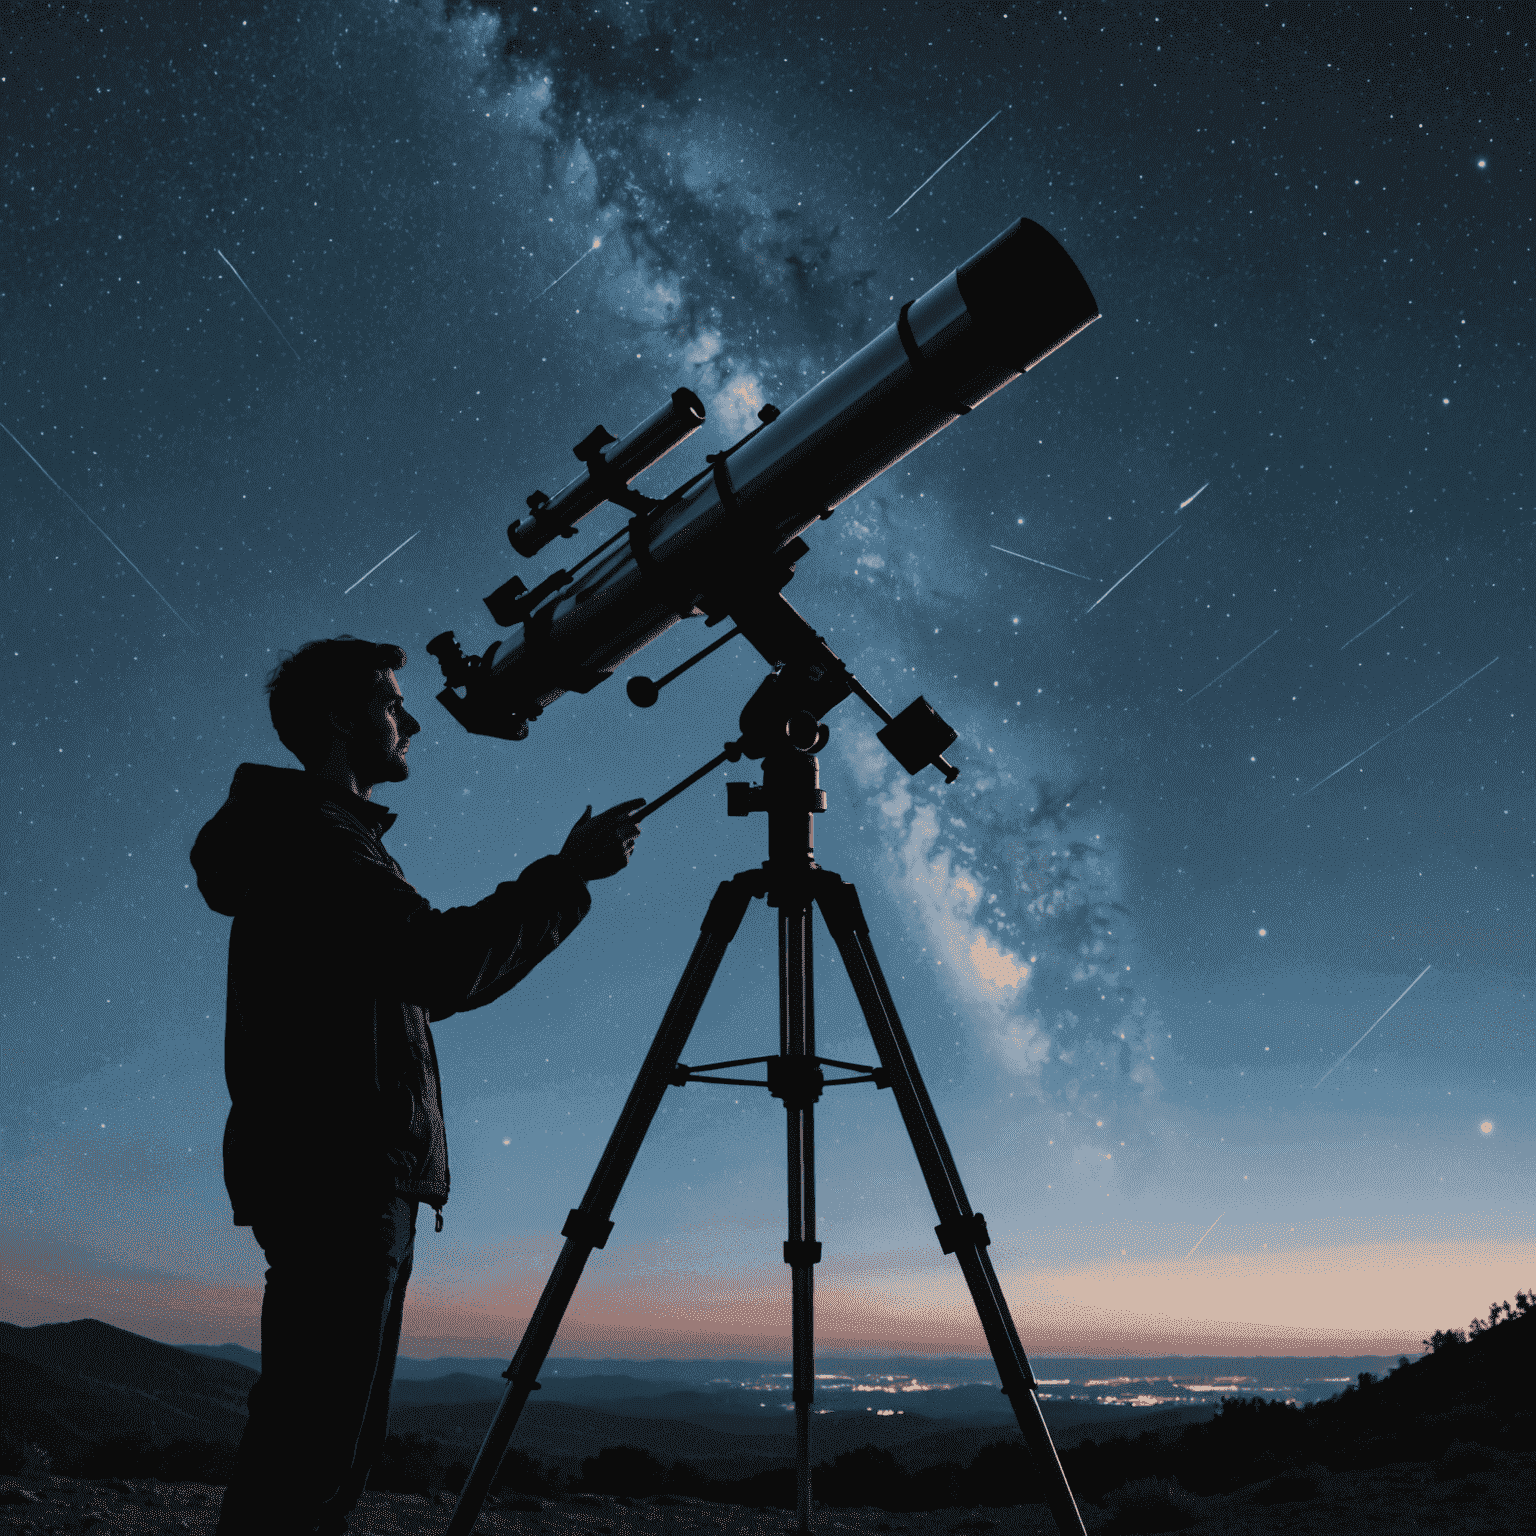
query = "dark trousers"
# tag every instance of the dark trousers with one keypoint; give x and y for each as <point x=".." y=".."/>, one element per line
<point x="330" y="1330"/>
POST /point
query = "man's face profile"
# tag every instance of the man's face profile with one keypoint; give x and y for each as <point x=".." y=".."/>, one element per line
<point x="380" y="735"/>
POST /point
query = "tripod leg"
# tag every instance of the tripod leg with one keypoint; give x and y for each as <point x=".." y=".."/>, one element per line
<point x="589" y="1224"/>
<point x="797" y="1048"/>
<point x="961" y="1231"/>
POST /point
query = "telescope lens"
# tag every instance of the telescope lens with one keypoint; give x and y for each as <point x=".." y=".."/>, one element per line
<point x="1025" y="288"/>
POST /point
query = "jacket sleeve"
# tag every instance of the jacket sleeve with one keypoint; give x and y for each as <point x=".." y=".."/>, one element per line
<point x="444" y="961"/>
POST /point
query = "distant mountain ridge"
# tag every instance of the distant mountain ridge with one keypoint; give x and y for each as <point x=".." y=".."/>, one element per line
<point x="75" y="1388"/>
<point x="69" y="1385"/>
<point x="639" y="1378"/>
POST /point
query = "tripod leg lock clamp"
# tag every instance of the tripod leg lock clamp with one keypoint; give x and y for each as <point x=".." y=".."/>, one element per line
<point x="963" y="1231"/>
<point x="1029" y="1384"/>
<point x="591" y="1230"/>
<point x="801" y="1251"/>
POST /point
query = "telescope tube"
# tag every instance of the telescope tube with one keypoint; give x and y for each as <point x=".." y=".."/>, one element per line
<point x="996" y="316"/>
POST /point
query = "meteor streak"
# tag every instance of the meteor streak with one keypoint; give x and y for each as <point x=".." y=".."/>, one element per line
<point x="1100" y="598"/>
<point x="1390" y="611"/>
<point x="1182" y="505"/>
<point x="94" y="524"/>
<point x="897" y="209"/>
<point x="1385" y="1011"/>
<point x="1212" y="1226"/>
<point x="1233" y="668"/>
<point x="1046" y="563"/>
<point x="540" y="294"/>
<point x="372" y="568"/>
<point x="257" y="302"/>
<point x="1396" y="728"/>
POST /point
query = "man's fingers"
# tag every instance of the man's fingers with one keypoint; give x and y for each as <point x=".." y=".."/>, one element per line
<point x="623" y="815"/>
<point x="626" y="809"/>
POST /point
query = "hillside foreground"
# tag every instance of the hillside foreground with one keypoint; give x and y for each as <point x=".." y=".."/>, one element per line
<point x="1471" y="1491"/>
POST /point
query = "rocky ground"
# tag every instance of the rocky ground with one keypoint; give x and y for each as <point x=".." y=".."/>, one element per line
<point x="1495" y="1498"/>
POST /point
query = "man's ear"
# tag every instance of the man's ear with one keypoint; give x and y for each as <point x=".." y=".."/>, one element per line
<point x="342" y="727"/>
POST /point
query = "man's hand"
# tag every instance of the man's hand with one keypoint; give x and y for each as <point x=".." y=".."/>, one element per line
<point x="599" y="846"/>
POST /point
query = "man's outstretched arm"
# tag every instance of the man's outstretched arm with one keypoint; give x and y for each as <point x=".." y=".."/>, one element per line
<point x="467" y="957"/>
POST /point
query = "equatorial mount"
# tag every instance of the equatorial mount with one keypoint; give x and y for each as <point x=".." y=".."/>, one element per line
<point x="808" y="682"/>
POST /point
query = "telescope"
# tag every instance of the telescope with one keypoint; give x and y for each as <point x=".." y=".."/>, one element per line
<point x="725" y="542"/>
<point x="723" y="545"/>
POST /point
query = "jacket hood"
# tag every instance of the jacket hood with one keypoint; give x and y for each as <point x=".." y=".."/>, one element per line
<point x="233" y="853"/>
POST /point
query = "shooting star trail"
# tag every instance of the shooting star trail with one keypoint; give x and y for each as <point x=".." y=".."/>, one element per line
<point x="1203" y="1237"/>
<point x="94" y="524"/>
<point x="372" y="568"/>
<point x="1388" y="614"/>
<point x="1233" y="668"/>
<point x="1182" y="505"/>
<point x="1100" y="598"/>
<point x="1385" y="1011"/>
<point x="892" y="214"/>
<point x="1046" y="563"/>
<point x="257" y="302"/>
<point x="1396" y="728"/>
<point x="540" y="294"/>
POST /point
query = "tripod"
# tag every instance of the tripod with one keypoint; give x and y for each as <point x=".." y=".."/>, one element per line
<point x="792" y="882"/>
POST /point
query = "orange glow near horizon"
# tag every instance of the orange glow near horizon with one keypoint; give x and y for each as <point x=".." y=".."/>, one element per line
<point x="1381" y="1298"/>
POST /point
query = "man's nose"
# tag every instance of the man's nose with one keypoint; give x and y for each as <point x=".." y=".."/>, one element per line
<point x="412" y="725"/>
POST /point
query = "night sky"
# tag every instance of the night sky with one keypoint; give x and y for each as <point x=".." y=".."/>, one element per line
<point x="1149" y="916"/>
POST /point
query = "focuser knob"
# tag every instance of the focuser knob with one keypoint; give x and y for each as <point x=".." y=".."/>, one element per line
<point x="642" y="692"/>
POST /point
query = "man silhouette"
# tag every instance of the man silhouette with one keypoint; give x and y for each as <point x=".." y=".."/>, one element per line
<point x="335" y="1136"/>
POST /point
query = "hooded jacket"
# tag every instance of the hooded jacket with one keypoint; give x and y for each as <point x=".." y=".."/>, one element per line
<point x="337" y="967"/>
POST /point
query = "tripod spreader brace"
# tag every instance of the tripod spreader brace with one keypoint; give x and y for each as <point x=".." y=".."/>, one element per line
<point x="797" y="1080"/>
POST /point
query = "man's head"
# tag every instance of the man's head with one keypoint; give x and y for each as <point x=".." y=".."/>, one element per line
<point x="337" y="706"/>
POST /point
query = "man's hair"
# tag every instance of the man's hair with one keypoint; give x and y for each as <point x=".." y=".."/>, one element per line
<point x="320" y="678"/>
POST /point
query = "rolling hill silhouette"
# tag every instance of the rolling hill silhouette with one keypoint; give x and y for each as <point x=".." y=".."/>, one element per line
<point x="72" y="1388"/>
<point x="68" y="1386"/>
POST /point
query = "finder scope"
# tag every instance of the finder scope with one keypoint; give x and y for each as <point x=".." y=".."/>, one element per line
<point x="608" y="474"/>
<point x="727" y="539"/>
